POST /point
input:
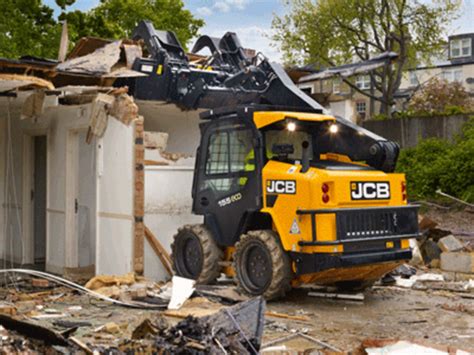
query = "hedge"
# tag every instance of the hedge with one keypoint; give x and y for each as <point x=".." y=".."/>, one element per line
<point x="438" y="164"/>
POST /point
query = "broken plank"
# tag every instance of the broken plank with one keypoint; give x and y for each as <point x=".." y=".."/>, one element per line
<point x="286" y="316"/>
<point x="159" y="250"/>
<point x="33" y="331"/>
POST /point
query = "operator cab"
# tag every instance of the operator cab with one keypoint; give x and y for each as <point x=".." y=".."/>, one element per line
<point x="296" y="142"/>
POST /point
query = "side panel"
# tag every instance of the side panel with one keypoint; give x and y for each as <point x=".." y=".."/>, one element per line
<point x="282" y="204"/>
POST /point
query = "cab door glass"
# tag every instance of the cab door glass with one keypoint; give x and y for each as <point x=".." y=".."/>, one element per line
<point x="229" y="162"/>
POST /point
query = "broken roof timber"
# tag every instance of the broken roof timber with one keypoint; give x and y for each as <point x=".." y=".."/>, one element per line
<point x="9" y="82"/>
<point x="348" y="70"/>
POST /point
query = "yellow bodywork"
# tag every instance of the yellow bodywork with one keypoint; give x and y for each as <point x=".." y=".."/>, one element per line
<point x="262" y="119"/>
<point x="308" y="196"/>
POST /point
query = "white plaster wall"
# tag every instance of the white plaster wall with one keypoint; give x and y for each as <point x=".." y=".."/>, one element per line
<point x="55" y="121"/>
<point x="115" y="194"/>
<point x="168" y="205"/>
<point x="182" y="126"/>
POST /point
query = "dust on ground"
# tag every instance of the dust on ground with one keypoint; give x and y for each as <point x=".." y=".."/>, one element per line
<point x="439" y="317"/>
<point x="458" y="221"/>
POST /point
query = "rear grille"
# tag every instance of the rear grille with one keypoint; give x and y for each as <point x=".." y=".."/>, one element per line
<point x="372" y="223"/>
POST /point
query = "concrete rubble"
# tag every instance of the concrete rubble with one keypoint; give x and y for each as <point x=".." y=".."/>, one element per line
<point x="218" y="319"/>
<point x="423" y="306"/>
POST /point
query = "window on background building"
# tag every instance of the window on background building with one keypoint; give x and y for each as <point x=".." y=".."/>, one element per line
<point x="413" y="79"/>
<point x="460" y="48"/>
<point x="452" y="75"/>
<point x="363" y="82"/>
<point x="307" y="91"/>
<point x="361" y="109"/>
<point x="336" y="85"/>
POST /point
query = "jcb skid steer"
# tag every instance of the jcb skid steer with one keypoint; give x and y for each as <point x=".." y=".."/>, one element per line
<point x="289" y="193"/>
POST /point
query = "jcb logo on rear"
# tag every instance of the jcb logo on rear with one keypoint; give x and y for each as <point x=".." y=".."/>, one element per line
<point x="370" y="190"/>
<point x="281" y="187"/>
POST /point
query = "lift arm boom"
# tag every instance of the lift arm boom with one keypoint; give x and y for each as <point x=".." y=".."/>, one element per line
<point x="229" y="78"/>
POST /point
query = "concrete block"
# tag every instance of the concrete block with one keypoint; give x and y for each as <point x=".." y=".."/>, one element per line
<point x="450" y="243"/>
<point x="430" y="251"/>
<point x="458" y="262"/>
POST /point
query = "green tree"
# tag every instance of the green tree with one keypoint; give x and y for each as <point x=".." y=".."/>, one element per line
<point x="438" y="96"/>
<point x="117" y="19"/>
<point x="334" y="32"/>
<point x="28" y="27"/>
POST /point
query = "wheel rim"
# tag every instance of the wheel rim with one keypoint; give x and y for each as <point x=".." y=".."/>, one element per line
<point x="256" y="268"/>
<point x="189" y="256"/>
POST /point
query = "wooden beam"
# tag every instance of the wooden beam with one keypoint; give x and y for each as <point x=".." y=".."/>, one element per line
<point x="159" y="250"/>
<point x="139" y="200"/>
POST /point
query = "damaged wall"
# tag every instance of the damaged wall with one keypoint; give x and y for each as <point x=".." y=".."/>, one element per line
<point x="115" y="226"/>
<point x="168" y="205"/>
<point x="182" y="126"/>
<point x="168" y="180"/>
<point x="112" y="166"/>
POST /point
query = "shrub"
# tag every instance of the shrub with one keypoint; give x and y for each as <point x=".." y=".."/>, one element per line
<point x="440" y="97"/>
<point x="438" y="164"/>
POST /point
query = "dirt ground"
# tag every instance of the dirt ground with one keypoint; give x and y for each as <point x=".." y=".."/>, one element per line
<point x="437" y="317"/>
<point x="458" y="221"/>
<point x="386" y="312"/>
<point x="434" y="312"/>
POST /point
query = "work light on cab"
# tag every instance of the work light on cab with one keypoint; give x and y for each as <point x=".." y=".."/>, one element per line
<point x="291" y="126"/>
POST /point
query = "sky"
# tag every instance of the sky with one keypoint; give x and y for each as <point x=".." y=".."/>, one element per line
<point x="251" y="19"/>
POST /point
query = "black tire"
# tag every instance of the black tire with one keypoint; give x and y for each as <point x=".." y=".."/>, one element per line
<point x="195" y="254"/>
<point x="261" y="265"/>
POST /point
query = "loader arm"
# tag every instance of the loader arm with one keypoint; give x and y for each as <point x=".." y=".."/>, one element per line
<point x="230" y="78"/>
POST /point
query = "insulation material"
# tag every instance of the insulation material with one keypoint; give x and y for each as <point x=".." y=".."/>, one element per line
<point x="124" y="109"/>
<point x="132" y="52"/>
<point x="156" y="140"/>
<point x="33" y="106"/>
<point x="99" y="117"/>
<point x="9" y="82"/>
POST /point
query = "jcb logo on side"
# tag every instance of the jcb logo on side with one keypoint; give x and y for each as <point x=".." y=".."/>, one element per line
<point x="281" y="187"/>
<point x="370" y="190"/>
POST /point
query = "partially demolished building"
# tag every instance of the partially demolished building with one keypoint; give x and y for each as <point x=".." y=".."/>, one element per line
<point x="76" y="157"/>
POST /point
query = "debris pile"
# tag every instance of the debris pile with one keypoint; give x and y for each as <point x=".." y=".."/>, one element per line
<point x="441" y="249"/>
<point x="119" y="313"/>
<point x="236" y="329"/>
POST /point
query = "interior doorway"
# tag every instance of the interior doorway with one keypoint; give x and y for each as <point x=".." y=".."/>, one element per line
<point x="38" y="196"/>
<point x="81" y="201"/>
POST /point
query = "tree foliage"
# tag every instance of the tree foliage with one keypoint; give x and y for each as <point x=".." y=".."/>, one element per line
<point x="333" y="32"/>
<point x="439" y="96"/>
<point x="28" y="27"/>
<point x="117" y="19"/>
